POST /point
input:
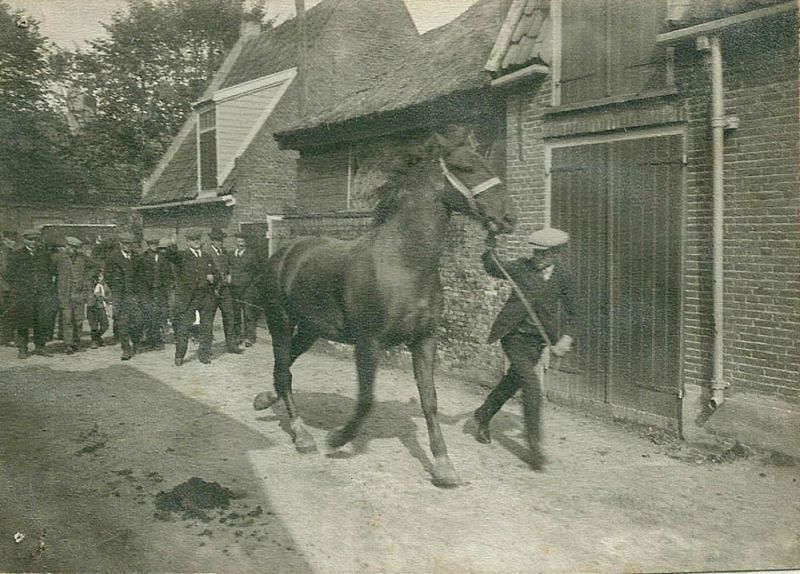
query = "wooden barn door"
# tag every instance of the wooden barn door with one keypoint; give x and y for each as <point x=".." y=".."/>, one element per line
<point x="621" y="203"/>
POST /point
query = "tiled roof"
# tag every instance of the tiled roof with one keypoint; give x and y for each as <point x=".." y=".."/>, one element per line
<point x="178" y="182"/>
<point x="524" y="39"/>
<point x="683" y="13"/>
<point x="443" y="61"/>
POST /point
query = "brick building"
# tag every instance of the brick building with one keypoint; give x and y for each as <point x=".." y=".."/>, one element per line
<point x="663" y="136"/>
<point x="665" y="140"/>
<point x="224" y="168"/>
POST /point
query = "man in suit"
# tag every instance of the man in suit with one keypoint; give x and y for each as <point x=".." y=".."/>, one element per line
<point x="222" y="299"/>
<point x="7" y="326"/>
<point x="547" y="287"/>
<point x="243" y="263"/>
<point x="156" y="281"/>
<point x="31" y="275"/>
<point x="74" y="289"/>
<point x="196" y="280"/>
<point x="123" y="277"/>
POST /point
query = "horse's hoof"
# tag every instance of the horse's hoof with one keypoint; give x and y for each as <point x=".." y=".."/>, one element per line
<point x="304" y="442"/>
<point x="264" y="400"/>
<point x="445" y="475"/>
<point x="338" y="438"/>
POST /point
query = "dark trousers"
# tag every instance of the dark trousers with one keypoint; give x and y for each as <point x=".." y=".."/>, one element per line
<point x="155" y="319"/>
<point x="128" y="312"/>
<point x="245" y="315"/>
<point x="7" y="323"/>
<point x="223" y="302"/>
<point x="206" y="307"/>
<point x="98" y="321"/>
<point x="523" y="351"/>
<point x="32" y="312"/>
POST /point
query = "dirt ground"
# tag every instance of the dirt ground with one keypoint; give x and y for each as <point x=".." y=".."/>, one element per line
<point x="91" y="447"/>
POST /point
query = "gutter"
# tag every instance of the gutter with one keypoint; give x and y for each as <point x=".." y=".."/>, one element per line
<point x="226" y="200"/>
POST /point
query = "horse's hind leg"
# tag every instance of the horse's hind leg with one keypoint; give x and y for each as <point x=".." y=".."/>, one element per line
<point x="423" y="354"/>
<point x="367" y="353"/>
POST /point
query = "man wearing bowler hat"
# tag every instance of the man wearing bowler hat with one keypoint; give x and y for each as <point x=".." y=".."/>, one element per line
<point x="547" y="287"/>
<point x="122" y="274"/>
<point x="243" y="263"/>
<point x="156" y="281"/>
<point x="196" y="280"/>
<point x="222" y="292"/>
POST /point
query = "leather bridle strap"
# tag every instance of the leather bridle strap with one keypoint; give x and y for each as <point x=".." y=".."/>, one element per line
<point x="469" y="194"/>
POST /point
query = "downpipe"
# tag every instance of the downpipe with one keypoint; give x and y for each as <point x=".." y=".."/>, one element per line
<point x="711" y="45"/>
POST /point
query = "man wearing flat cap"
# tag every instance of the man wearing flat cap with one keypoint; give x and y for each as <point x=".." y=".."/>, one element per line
<point x="30" y="276"/>
<point x="196" y="279"/>
<point x="222" y="292"/>
<point x="74" y="288"/>
<point x="546" y="286"/>
<point x="123" y="276"/>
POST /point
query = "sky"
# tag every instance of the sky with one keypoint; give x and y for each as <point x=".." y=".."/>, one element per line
<point x="71" y="23"/>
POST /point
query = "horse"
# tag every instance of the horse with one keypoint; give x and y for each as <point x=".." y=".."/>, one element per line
<point x="382" y="289"/>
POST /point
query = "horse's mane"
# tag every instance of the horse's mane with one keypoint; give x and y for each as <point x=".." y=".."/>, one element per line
<point x="403" y="171"/>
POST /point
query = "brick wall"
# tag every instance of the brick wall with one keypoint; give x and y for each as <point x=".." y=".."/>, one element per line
<point x="762" y="188"/>
<point x="762" y="227"/>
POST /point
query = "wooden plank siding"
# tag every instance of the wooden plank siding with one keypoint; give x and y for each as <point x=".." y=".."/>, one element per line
<point x="621" y="202"/>
<point x="608" y="49"/>
<point x="236" y="118"/>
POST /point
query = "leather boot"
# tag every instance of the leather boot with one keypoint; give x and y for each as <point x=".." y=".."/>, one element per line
<point x="482" y="434"/>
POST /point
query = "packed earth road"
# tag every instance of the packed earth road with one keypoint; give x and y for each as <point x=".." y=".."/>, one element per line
<point x="142" y="466"/>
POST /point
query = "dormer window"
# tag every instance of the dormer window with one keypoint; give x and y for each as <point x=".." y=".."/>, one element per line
<point x="207" y="149"/>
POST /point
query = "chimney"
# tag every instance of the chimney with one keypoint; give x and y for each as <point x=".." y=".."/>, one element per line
<point x="249" y="28"/>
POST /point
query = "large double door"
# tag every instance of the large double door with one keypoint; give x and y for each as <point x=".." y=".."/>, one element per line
<point x="621" y="202"/>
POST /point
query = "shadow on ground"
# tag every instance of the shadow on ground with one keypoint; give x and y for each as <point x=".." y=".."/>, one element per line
<point x="84" y="455"/>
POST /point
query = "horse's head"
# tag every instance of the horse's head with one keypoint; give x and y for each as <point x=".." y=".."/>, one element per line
<point x="472" y="186"/>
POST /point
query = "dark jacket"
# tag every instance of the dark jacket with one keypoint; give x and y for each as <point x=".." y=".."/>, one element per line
<point x="222" y="263"/>
<point x="157" y="274"/>
<point x="30" y="274"/>
<point x="243" y="268"/>
<point x="123" y="275"/>
<point x="553" y="301"/>
<point x="190" y="274"/>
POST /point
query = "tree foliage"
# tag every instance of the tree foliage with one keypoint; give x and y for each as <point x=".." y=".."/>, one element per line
<point x="143" y="77"/>
<point x="32" y="132"/>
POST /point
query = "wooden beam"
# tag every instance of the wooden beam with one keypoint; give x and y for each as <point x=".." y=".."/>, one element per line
<point x="532" y="71"/>
<point x="723" y="23"/>
<point x="504" y="36"/>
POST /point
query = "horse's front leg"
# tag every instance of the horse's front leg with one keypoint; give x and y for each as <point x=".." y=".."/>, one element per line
<point x="423" y="353"/>
<point x="367" y="356"/>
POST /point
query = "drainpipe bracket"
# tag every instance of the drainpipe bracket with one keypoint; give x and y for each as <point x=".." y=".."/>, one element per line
<point x="731" y="123"/>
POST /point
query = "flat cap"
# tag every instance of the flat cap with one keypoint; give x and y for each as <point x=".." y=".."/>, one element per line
<point x="163" y="242"/>
<point x="32" y="234"/>
<point x="194" y="234"/>
<point x="126" y="237"/>
<point x="241" y="235"/>
<point x="217" y="234"/>
<point x="547" y="238"/>
<point x="73" y="241"/>
<point x="152" y="239"/>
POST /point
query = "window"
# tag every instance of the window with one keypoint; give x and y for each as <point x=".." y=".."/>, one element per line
<point x="608" y="49"/>
<point x="207" y="149"/>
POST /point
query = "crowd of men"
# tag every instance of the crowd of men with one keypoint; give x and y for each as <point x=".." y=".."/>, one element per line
<point x="139" y="289"/>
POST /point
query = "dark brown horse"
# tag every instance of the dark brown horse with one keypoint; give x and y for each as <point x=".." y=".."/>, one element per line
<point x="382" y="289"/>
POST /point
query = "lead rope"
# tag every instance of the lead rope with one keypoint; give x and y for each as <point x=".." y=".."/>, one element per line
<point x="465" y="191"/>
